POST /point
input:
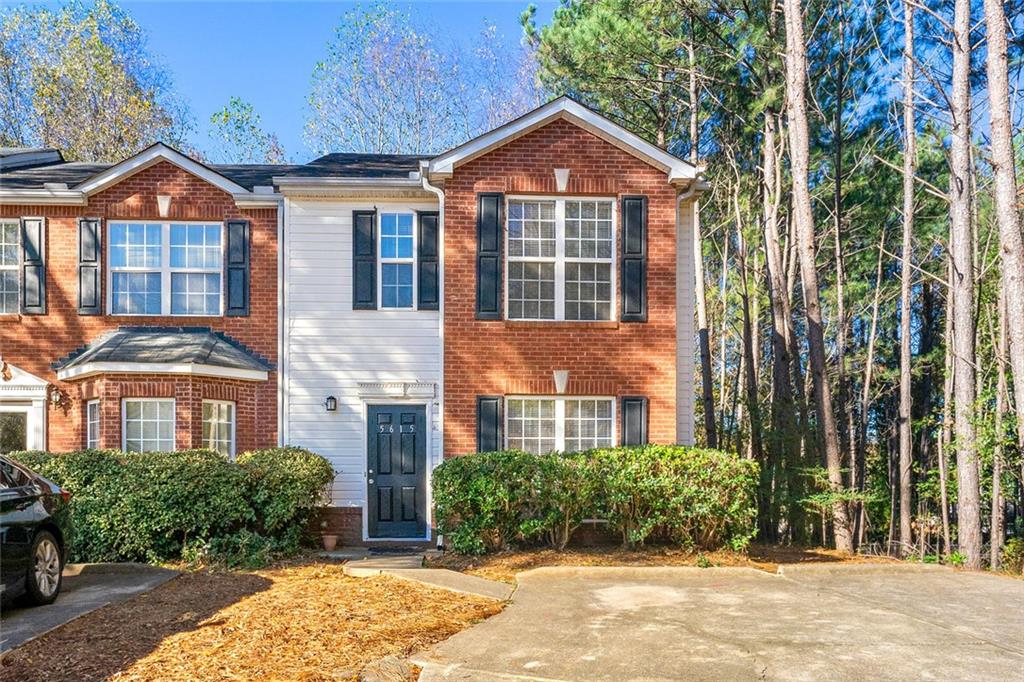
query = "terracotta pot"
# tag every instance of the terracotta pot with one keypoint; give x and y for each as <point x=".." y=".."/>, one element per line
<point x="330" y="542"/>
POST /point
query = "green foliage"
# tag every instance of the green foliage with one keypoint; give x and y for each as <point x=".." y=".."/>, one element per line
<point x="957" y="559"/>
<point x="241" y="549"/>
<point x="704" y="498"/>
<point x="238" y="135"/>
<point x="1012" y="557"/>
<point x="285" y="486"/>
<point x="159" y="506"/>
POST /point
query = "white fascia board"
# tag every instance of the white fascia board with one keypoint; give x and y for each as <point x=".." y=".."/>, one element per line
<point x="250" y="200"/>
<point x="43" y="197"/>
<point x="192" y="369"/>
<point x="296" y="183"/>
<point x="563" y="107"/>
<point x="154" y="154"/>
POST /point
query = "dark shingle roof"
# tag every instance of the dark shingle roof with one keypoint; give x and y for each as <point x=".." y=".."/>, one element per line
<point x="167" y="345"/>
<point x="247" y="175"/>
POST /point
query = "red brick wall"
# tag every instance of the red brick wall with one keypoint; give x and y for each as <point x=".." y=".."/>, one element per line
<point x="32" y="342"/>
<point x="603" y="358"/>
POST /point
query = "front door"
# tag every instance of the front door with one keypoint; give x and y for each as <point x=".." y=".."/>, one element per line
<point x="396" y="471"/>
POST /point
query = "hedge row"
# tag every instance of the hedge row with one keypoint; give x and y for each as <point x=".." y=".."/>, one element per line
<point x="685" y="496"/>
<point x="191" y="504"/>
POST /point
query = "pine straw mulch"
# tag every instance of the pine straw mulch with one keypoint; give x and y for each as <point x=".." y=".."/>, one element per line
<point x="300" y="622"/>
<point x="505" y="565"/>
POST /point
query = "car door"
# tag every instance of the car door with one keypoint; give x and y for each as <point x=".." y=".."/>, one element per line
<point x="19" y="497"/>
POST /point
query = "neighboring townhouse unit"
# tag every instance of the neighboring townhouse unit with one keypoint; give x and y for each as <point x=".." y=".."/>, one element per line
<point x="532" y="288"/>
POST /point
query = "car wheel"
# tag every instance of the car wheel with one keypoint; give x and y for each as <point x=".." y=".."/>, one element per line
<point x="42" y="583"/>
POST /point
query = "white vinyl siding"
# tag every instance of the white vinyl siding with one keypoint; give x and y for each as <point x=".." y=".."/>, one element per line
<point x="147" y="424"/>
<point x="329" y="349"/>
<point x="546" y="424"/>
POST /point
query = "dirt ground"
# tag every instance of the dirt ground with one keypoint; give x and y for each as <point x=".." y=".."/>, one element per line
<point x="505" y="565"/>
<point x="305" y="622"/>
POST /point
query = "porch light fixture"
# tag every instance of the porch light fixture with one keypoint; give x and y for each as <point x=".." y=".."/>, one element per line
<point x="561" y="178"/>
<point x="163" y="204"/>
<point x="331" y="403"/>
<point x="561" y="377"/>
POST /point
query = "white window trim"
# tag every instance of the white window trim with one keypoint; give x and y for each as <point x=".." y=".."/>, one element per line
<point x="165" y="268"/>
<point x="560" y="415"/>
<point x="234" y="422"/>
<point x="17" y="266"/>
<point x="124" y="418"/>
<point x="560" y="259"/>
<point x="89" y="405"/>
<point x="381" y="260"/>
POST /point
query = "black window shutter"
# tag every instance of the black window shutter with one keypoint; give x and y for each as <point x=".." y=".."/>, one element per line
<point x="634" y="420"/>
<point x="364" y="260"/>
<point x="89" y="288"/>
<point x="33" y="266"/>
<point x="634" y="259"/>
<point x="238" y="268"/>
<point x="488" y="424"/>
<point x="427" y="285"/>
<point x="490" y="217"/>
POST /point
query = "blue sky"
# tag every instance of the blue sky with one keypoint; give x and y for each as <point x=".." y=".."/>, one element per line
<point x="264" y="52"/>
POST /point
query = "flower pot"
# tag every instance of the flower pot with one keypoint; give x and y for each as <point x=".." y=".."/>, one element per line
<point x="330" y="542"/>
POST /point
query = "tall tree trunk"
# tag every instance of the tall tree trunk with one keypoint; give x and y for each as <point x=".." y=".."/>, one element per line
<point x="946" y="438"/>
<point x="906" y="461"/>
<point x="961" y="250"/>
<point x="796" y="82"/>
<point x="703" y="335"/>
<point x="865" y="397"/>
<point x="749" y="362"/>
<point x="1002" y="347"/>
<point x="1011" y="242"/>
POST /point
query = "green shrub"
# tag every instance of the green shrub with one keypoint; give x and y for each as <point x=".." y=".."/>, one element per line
<point x="701" y="498"/>
<point x="242" y="549"/>
<point x="158" y="506"/>
<point x="285" y="487"/>
<point x="1012" y="557"/>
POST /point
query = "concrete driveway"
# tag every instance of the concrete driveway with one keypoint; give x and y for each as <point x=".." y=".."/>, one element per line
<point x="842" y="622"/>
<point x="86" y="587"/>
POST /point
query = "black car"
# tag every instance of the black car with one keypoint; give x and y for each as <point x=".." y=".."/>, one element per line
<point x="32" y="534"/>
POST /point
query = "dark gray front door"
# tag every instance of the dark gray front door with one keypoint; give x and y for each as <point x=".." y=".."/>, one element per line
<point x="396" y="471"/>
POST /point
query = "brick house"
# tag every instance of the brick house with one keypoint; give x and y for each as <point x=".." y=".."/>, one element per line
<point x="531" y="288"/>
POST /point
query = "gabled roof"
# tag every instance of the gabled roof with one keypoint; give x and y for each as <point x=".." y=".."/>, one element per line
<point x="149" y="156"/>
<point x="170" y="350"/>
<point x="564" y="108"/>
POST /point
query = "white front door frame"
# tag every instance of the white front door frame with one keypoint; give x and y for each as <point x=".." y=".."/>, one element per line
<point x="26" y="393"/>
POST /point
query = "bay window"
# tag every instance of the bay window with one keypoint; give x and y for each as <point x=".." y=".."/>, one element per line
<point x="166" y="268"/>
<point x="219" y="426"/>
<point x="543" y="424"/>
<point x="147" y="425"/>
<point x="92" y="424"/>
<point x="560" y="259"/>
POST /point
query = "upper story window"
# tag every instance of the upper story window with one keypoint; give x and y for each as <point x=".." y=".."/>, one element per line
<point x="166" y="268"/>
<point x="10" y="259"/>
<point x="560" y="263"/>
<point x="397" y="260"/>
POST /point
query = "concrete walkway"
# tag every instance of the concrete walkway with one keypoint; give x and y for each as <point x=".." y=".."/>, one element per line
<point x="886" y="622"/>
<point x="86" y="587"/>
<point x="410" y="567"/>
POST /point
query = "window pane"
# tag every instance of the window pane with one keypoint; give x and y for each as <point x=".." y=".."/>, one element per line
<point x="9" y="255"/>
<point x="396" y="285"/>
<point x="10" y="260"/>
<point x="149" y="425"/>
<point x="136" y="293"/>
<point x="531" y="290"/>
<point x="195" y="246"/>
<point x="396" y="239"/>
<point x="531" y="229"/>
<point x="588" y="291"/>
<point x="218" y="422"/>
<point x="195" y="294"/>
<point x="588" y="424"/>
<point x="531" y="425"/>
<point x="135" y="245"/>
<point x="588" y="229"/>
<point x="9" y="291"/>
<point x="92" y="421"/>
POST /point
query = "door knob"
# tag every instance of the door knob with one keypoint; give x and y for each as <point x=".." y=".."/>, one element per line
<point x="371" y="481"/>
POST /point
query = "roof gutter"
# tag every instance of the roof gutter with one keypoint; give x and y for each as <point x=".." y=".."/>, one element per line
<point x="43" y="197"/>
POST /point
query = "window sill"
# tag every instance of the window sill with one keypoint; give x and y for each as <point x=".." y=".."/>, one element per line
<point x="561" y="324"/>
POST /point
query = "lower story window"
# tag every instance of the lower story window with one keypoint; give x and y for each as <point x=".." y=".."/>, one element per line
<point x="219" y="427"/>
<point x="92" y="424"/>
<point x="542" y="425"/>
<point x="148" y="425"/>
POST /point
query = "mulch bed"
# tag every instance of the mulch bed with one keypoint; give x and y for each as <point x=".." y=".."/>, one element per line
<point x="305" y="622"/>
<point x="505" y="565"/>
